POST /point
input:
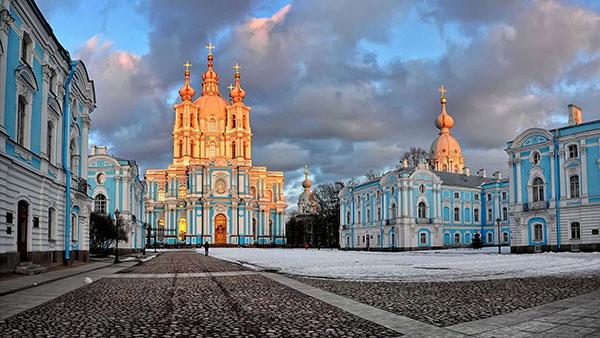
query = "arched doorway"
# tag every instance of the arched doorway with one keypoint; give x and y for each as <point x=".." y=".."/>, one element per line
<point x="220" y="229"/>
<point x="182" y="228"/>
<point x="22" y="227"/>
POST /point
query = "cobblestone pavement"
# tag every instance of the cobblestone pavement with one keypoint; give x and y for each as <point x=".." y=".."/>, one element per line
<point x="448" y="303"/>
<point x="184" y="261"/>
<point x="227" y="306"/>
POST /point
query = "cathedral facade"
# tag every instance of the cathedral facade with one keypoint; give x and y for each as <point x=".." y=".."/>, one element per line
<point x="211" y="192"/>
<point x="435" y="204"/>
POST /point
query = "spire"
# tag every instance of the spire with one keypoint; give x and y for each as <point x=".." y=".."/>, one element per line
<point x="236" y="92"/>
<point x="444" y="121"/>
<point x="210" y="84"/>
<point x="187" y="92"/>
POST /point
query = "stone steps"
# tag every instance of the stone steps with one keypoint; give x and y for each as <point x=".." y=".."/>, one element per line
<point x="28" y="268"/>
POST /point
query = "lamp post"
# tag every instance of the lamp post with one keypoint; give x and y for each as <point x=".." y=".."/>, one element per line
<point x="117" y="214"/>
<point x="498" y="238"/>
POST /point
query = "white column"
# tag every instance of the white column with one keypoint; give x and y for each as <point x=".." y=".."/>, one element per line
<point x="44" y="127"/>
<point x="411" y="200"/>
<point x="434" y="202"/>
<point x="561" y="173"/>
<point x="125" y="190"/>
<point x="519" y="187"/>
<point x="511" y="182"/>
<point x="404" y="200"/>
<point x="117" y="191"/>
<point x="84" y="146"/>
<point x="552" y="176"/>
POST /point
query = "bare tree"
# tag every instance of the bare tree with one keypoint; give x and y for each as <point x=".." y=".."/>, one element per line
<point x="373" y="175"/>
<point x="413" y="156"/>
<point x="328" y="212"/>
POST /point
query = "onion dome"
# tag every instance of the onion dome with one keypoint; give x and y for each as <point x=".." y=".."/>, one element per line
<point x="237" y="94"/>
<point x="445" y="152"/>
<point x="210" y="84"/>
<point x="187" y="92"/>
<point x="306" y="184"/>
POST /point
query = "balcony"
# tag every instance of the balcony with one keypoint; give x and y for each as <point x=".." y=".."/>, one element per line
<point x="533" y="206"/>
<point x="424" y="221"/>
<point x="80" y="185"/>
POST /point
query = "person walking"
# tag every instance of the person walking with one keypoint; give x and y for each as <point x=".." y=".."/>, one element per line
<point x="206" y="247"/>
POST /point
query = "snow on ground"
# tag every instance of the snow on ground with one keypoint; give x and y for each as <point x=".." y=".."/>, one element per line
<point x="434" y="265"/>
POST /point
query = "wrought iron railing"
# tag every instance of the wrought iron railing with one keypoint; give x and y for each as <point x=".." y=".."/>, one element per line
<point x="537" y="205"/>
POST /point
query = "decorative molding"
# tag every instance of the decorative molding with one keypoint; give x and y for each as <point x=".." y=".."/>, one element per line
<point x="5" y="20"/>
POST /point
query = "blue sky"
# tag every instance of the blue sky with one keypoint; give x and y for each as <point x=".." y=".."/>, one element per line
<point x="357" y="80"/>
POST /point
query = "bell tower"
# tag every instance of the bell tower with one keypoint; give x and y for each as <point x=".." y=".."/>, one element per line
<point x="238" y="132"/>
<point x="185" y="122"/>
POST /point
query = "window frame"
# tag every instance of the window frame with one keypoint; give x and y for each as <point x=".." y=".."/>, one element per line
<point x="575" y="229"/>
<point x="574" y="186"/>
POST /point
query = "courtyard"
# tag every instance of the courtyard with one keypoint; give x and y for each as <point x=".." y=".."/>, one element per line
<point x="183" y="292"/>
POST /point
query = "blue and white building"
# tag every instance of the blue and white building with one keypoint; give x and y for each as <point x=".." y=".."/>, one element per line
<point x="46" y="101"/>
<point x="115" y="185"/>
<point x="432" y="205"/>
<point x="555" y="187"/>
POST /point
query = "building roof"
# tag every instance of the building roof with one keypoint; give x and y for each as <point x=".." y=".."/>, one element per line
<point x="460" y="180"/>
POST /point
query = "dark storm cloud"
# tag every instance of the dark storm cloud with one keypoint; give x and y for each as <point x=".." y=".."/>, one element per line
<point x="319" y="96"/>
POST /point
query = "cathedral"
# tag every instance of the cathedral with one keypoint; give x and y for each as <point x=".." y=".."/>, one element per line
<point x="211" y="192"/>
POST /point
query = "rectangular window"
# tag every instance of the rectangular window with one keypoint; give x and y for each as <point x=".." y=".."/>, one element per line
<point x="456" y="195"/>
<point x="21" y="119"/>
<point x="423" y="238"/>
<point x="573" y="151"/>
<point x="504" y="213"/>
<point x="574" y="186"/>
<point x="575" y="230"/>
<point x="476" y="215"/>
<point x="74" y="228"/>
<point x="489" y="197"/>
<point x="50" y="222"/>
<point x="456" y="214"/>
<point x="489" y="215"/>
<point x="476" y="197"/>
<point x="504" y="195"/>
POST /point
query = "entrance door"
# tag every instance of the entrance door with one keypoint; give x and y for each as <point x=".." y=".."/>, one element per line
<point x="22" y="220"/>
<point x="220" y="229"/>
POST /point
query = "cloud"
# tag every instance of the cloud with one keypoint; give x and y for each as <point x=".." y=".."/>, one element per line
<point x="319" y="95"/>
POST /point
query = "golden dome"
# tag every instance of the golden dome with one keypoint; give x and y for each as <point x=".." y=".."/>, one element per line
<point x="306" y="183"/>
<point x="210" y="79"/>
<point x="445" y="153"/>
<point x="187" y="92"/>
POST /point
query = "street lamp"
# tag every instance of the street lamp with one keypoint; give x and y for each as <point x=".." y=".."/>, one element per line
<point x="117" y="214"/>
<point x="498" y="238"/>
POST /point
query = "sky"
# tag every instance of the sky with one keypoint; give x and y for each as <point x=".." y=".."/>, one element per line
<point x="345" y="86"/>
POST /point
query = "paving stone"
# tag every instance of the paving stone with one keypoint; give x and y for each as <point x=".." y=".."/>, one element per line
<point x="448" y="303"/>
<point x="215" y="306"/>
<point x="534" y="326"/>
<point x="569" y="331"/>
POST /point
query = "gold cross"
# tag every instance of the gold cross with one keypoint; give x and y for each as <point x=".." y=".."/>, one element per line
<point x="442" y="91"/>
<point x="210" y="47"/>
<point x="237" y="67"/>
<point x="230" y="87"/>
<point x="187" y="65"/>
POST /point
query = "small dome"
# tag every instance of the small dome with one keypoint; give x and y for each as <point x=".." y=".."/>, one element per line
<point x="306" y="183"/>
<point x="210" y="74"/>
<point x="237" y="94"/>
<point x="187" y="92"/>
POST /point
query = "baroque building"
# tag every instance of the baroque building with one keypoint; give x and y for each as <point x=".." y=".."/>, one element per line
<point x="555" y="187"/>
<point x="115" y="185"/>
<point x="46" y="100"/>
<point x="211" y="192"/>
<point x="435" y="205"/>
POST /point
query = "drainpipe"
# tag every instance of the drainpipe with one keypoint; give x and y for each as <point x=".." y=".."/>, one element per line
<point x="557" y="189"/>
<point x="66" y="119"/>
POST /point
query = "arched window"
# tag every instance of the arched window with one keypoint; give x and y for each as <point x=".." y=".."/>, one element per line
<point x="100" y="204"/>
<point x="182" y="193"/>
<point x="393" y="190"/>
<point x="490" y="237"/>
<point x="182" y="228"/>
<point x="233" y="121"/>
<point x="573" y="151"/>
<point x="359" y="218"/>
<point x="192" y="120"/>
<point x="368" y="214"/>
<point x="476" y="215"/>
<point x="505" y="237"/>
<point x="379" y="213"/>
<point x="446" y="214"/>
<point x="422" y="188"/>
<point x="233" y="149"/>
<point x="575" y="230"/>
<point x="212" y="150"/>
<point x="254" y="232"/>
<point x="538" y="232"/>
<point x="504" y="213"/>
<point x="422" y="210"/>
<point x="574" y="185"/>
<point x="180" y="148"/>
<point x="393" y="240"/>
<point x="243" y="149"/>
<point x="161" y="195"/>
<point x="393" y="211"/>
<point x="74" y="160"/>
<point x="50" y="142"/>
<point x="457" y="239"/>
<point x="535" y="158"/>
<point x="537" y="189"/>
<point x="212" y="125"/>
<point x="26" y="43"/>
<point x="21" y="120"/>
<point x="348" y="217"/>
<point x="457" y="214"/>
